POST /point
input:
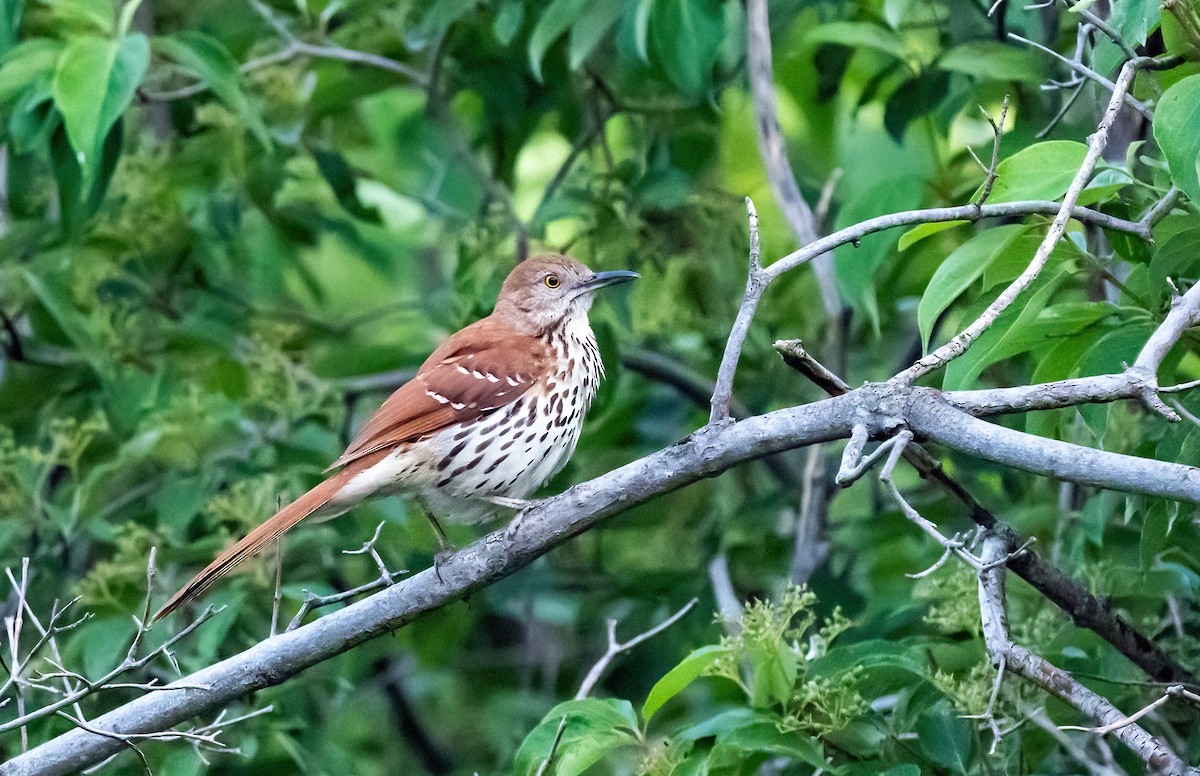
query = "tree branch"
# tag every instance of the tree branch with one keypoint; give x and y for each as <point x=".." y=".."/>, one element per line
<point x="755" y="285"/>
<point x="886" y="408"/>
<point x="962" y="341"/>
<point x="1139" y="381"/>
<point x="956" y="213"/>
<point x="1088" y="73"/>
<point x="939" y="421"/>
<point x="554" y="521"/>
<point x="1018" y="660"/>
<point x="1085" y="610"/>
<point x="774" y="153"/>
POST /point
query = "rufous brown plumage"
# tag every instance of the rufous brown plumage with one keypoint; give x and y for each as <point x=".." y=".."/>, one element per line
<point x="491" y="415"/>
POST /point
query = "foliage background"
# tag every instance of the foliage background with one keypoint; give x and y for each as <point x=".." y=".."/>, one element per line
<point x="196" y="280"/>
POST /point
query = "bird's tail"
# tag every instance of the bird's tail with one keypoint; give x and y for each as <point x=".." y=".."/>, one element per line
<point x="257" y="539"/>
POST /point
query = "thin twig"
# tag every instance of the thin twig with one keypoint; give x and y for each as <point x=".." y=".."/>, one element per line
<point x="126" y="665"/>
<point x="862" y="229"/>
<point x="1161" y="208"/>
<point x="755" y="285"/>
<point x="1090" y="74"/>
<point x="385" y="579"/>
<point x="1062" y="111"/>
<point x="277" y="599"/>
<point x="616" y="648"/>
<point x="293" y="48"/>
<point x="963" y="340"/>
<point x="613" y="650"/>
<point x="998" y="134"/>
<point x="1103" y="26"/>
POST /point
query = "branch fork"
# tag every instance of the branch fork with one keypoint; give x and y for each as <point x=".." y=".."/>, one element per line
<point x="1009" y="656"/>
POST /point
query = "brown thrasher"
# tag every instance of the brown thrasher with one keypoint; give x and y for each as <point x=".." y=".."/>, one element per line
<point x="492" y="414"/>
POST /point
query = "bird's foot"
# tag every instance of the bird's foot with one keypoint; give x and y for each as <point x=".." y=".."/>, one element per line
<point x="510" y="533"/>
<point x="519" y="504"/>
<point x="441" y="557"/>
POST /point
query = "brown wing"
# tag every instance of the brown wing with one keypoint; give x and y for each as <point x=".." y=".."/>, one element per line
<point x="476" y="371"/>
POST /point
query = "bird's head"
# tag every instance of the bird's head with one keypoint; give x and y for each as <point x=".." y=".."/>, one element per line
<point x="543" y="291"/>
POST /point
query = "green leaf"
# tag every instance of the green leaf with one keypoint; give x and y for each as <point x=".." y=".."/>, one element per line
<point x="856" y="264"/>
<point x="679" y="677"/>
<point x="27" y="64"/>
<point x="858" y="35"/>
<point x="1176" y="120"/>
<point x="1057" y="363"/>
<point x="211" y="62"/>
<point x="1189" y="449"/>
<point x="508" y="20"/>
<point x="741" y="731"/>
<point x="773" y="667"/>
<point x="946" y="740"/>
<point x="110" y="155"/>
<point x="79" y="199"/>
<point x="1178" y="255"/>
<point x="1041" y="171"/>
<point x="10" y="21"/>
<point x="1103" y="185"/>
<point x="94" y="15"/>
<point x="442" y="14"/>
<point x="1015" y="331"/>
<point x="895" y="12"/>
<point x="687" y="36"/>
<point x="959" y="271"/>
<point x="920" y="232"/>
<point x="68" y="182"/>
<point x="889" y="665"/>
<point x="590" y="29"/>
<point x="993" y="61"/>
<point x="105" y="642"/>
<point x="74" y="324"/>
<point x="765" y="737"/>
<point x="1106" y="357"/>
<point x="593" y="728"/>
<point x="635" y="30"/>
<point x="724" y="723"/>
<point x="93" y="85"/>
<point x="1010" y="264"/>
<point x="33" y="118"/>
<point x="1134" y="19"/>
<point x="554" y="21"/>
<point x="1155" y="528"/>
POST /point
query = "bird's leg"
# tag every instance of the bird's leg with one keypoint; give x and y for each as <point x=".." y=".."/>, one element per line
<point x="519" y="504"/>
<point x="446" y="547"/>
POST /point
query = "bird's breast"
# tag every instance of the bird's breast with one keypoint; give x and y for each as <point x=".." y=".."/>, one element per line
<point x="510" y="452"/>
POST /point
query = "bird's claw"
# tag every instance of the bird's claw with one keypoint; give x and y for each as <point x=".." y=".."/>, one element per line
<point x="510" y="533"/>
<point x="441" y="557"/>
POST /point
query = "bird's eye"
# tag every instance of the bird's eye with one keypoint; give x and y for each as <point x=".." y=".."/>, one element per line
<point x="552" y="281"/>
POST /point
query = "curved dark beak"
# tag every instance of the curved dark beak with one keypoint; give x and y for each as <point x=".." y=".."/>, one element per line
<point x="610" y="278"/>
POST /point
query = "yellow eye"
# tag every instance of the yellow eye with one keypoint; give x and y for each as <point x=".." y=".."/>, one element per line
<point x="552" y="281"/>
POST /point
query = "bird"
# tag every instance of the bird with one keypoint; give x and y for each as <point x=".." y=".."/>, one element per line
<point x="489" y="418"/>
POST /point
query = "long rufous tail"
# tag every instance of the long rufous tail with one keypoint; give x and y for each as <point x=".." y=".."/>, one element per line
<point x="257" y="539"/>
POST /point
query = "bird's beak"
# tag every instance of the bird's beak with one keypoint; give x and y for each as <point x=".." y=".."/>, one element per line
<point x="610" y="278"/>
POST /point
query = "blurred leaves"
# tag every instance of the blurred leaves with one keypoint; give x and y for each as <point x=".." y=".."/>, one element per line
<point x="209" y="239"/>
